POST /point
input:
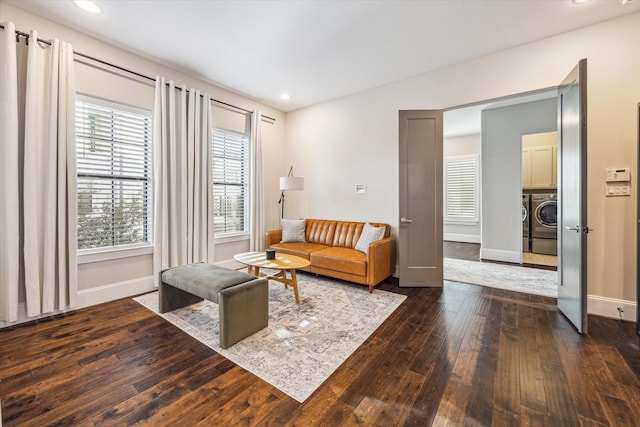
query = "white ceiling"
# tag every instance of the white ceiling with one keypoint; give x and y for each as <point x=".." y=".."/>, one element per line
<point x="320" y="50"/>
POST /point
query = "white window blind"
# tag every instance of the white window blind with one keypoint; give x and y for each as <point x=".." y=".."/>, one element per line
<point x="230" y="182"/>
<point x="461" y="189"/>
<point x="114" y="174"/>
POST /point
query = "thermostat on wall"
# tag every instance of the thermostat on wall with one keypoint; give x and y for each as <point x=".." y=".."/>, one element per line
<point x="619" y="174"/>
<point x="618" y="182"/>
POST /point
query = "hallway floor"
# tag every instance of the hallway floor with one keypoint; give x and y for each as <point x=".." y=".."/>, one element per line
<point x="471" y="252"/>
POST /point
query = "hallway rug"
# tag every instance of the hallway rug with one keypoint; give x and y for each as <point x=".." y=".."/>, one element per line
<point x="510" y="277"/>
<point x="303" y="344"/>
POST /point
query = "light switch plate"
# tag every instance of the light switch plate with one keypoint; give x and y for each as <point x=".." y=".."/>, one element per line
<point x="361" y="189"/>
<point x="614" y="189"/>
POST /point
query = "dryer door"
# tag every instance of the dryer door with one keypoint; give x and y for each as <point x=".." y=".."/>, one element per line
<point x="547" y="214"/>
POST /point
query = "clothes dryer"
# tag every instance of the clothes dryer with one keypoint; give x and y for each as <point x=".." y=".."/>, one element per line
<point x="544" y="223"/>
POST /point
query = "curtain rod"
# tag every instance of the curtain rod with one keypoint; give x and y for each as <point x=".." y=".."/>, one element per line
<point x="126" y="70"/>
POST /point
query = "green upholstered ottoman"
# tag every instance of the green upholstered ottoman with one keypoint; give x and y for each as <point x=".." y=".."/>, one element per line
<point x="243" y="299"/>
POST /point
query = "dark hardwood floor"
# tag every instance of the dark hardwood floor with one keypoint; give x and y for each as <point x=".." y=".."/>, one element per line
<point x="463" y="355"/>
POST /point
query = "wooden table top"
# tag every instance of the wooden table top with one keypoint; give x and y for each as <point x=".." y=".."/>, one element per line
<point x="282" y="261"/>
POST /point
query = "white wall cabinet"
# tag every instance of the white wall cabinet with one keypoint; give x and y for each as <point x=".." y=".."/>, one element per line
<point x="540" y="160"/>
<point x="539" y="167"/>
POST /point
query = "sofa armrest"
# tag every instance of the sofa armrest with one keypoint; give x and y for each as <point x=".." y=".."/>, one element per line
<point x="272" y="236"/>
<point x="380" y="260"/>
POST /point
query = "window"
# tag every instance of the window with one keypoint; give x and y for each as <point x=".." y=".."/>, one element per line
<point x="114" y="174"/>
<point x="230" y="183"/>
<point x="461" y="189"/>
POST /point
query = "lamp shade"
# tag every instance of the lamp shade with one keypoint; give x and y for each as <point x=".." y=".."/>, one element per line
<point x="291" y="183"/>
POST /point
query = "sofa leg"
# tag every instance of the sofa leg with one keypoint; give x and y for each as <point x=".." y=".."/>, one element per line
<point x="370" y="289"/>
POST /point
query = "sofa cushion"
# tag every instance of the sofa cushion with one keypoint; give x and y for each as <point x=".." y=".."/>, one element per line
<point x="298" y="248"/>
<point x="320" y="231"/>
<point x="341" y="259"/>
<point x="293" y="230"/>
<point x="347" y="234"/>
<point x="204" y="280"/>
<point x="369" y="234"/>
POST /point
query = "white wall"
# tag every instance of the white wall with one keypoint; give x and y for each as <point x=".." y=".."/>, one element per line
<point x="355" y="139"/>
<point x="463" y="145"/>
<point x="108" y="280"/>
<point x="502" y="130"/>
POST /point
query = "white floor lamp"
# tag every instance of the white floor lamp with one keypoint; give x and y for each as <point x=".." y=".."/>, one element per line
<point x="289" y="183"/>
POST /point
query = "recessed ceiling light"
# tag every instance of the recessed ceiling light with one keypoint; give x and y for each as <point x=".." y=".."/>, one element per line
<point x="88" y="6"/>
<point x="285" y="97"/>
<point x="580" y="1"/>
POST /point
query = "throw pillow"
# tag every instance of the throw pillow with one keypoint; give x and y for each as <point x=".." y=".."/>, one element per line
<point x="292" y="230"/>
<point x="369" y="234"/>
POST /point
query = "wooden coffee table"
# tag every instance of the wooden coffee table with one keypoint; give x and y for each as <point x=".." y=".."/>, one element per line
<point x="283" y="263"/>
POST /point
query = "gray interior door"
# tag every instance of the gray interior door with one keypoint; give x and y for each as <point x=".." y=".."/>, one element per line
<point x="572" y="194"/>
<point x="420" y="235"/>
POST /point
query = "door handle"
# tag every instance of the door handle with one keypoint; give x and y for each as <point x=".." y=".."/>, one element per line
<point x="406" y="221"/>
<point x="585" y="230"/>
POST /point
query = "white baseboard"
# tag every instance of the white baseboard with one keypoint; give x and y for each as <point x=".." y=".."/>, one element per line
<point x="608" y="307"/>
<point x="114" y="291"/>
<point x="500" y="255"/>
<point x="464" y="238"/>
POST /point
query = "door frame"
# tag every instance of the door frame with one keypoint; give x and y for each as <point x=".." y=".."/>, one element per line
<point x="638" y="239"/>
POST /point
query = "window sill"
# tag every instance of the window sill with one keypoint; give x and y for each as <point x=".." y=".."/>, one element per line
<point x="230" y="238"/>
<point x="460" y="222"/>
<point x="96" y="255"/>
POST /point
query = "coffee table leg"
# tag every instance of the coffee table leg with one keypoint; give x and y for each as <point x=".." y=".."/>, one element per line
<point x="294" y="283"/>
<point x="254" y="271"/>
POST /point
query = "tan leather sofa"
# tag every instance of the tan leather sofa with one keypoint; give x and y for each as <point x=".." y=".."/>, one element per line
<point x="330" y="246"/>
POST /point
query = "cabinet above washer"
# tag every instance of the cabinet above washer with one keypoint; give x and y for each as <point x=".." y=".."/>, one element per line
<point x="540" y="161"/>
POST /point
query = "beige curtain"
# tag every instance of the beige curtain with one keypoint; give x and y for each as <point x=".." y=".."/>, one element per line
<point x="9" y="200"/>
<point x="49" y="182"/>
<point x="47" y="185"/>
<point x="256" y="200"/>
<point x="183" y="228"/>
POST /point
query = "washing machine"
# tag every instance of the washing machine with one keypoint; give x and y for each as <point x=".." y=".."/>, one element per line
<point x="526" y="222"/>
<point x="544" y="223"/>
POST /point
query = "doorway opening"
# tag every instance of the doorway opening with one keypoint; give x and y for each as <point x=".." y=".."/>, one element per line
<point x="488" y="220"/>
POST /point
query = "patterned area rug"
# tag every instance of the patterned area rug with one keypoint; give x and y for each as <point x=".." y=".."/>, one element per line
<point x="303" y="344"/>
<point x="509" y="277"/>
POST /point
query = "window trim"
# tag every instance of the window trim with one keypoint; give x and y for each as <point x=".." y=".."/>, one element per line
<point x="476" y="189"/>
<point x="86" y="256"/>
<point x="105" y="253"/>
<point x="230" y="238"/>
